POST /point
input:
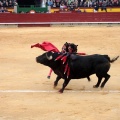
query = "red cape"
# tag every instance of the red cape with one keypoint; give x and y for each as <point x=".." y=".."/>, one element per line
<point x="46" y="46"/>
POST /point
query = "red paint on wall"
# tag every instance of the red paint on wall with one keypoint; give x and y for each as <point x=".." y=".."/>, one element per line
<point x="59" y="17"/>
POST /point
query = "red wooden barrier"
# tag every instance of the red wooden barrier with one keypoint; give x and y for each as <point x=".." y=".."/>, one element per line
<point x="59" y="17"/>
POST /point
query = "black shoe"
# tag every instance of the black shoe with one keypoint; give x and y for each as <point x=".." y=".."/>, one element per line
<point x="48" y="77"/>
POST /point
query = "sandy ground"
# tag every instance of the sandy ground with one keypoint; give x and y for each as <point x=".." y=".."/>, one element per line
<point x="27" y="94"/>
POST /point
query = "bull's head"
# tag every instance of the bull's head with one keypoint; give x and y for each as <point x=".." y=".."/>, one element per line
<point x="44" y="58"/>
<point x="48" y="59"/>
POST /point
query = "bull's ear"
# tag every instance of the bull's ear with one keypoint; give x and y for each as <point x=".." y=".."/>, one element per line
<point x="49" y="55"/>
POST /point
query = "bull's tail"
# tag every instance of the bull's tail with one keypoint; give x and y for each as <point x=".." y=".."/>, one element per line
<point x="111" y="60"/>
<point x="114" y="59"/>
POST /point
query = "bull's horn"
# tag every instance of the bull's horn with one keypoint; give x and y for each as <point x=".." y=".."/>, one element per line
<point x="49" y="57"/>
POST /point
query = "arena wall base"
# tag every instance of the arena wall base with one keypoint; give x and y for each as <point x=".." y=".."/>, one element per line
<point x="59" y="24"/>
<point x="33" y="25"/>
<point x="8" y="25"/>
<point x="79" y="24"/>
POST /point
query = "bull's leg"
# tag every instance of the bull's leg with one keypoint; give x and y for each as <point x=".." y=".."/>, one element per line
<point x="105" y="80"/>
<point x="64" y="85"/>
<point x="98" y="83"/>
<point x="88" y="78"/>
<point x="56" y="81"/>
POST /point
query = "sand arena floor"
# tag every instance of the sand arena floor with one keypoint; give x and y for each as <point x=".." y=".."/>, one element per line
<point x="31" y="95"/>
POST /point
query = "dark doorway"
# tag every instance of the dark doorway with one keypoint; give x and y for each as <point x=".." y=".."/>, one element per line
<point x="26" y="2"/>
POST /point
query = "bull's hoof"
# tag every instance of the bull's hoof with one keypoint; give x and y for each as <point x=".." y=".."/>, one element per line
<point x="95" y="86"/>
<point x="60" y="91"/>
<point x="102" y="86"/>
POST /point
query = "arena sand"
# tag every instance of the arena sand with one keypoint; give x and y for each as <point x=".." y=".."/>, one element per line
<point x="31" y="95"/>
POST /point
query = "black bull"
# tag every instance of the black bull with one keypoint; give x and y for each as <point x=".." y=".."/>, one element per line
<point x="80" y="67"/>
